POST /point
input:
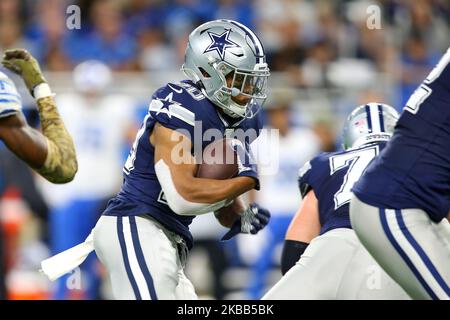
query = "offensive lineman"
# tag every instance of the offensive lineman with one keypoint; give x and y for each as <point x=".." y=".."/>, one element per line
<point x="333" y="263"/>
<point x="143" y="235"/>
<point x="401" y="202"/>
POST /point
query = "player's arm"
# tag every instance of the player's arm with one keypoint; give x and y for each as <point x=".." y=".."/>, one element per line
<point x="26" y="142"/>
<point x="304" y="227"/>
<point x="52" y="152"/>
<point x="186" y="193"/>
<point x="228" y="215"/>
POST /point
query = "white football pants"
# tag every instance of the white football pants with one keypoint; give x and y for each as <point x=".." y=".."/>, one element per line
<point x="141" y="258"/>
<point x="412" y="249"/>
<point x="335" y="265"/>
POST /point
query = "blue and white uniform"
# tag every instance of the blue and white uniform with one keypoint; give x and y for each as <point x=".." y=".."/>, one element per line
<point x="403" y="198"/>
<point x="147" y="231"/>
<point x="335" y="265"/>
<point x="10" y="100"/>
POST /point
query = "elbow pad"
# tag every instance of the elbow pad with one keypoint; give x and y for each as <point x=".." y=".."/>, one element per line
<point x="292" y="251"/>
<point x="176" y="202"/>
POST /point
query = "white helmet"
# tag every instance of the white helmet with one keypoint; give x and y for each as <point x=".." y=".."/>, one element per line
<point x="369" y="123"/>
<point x="92" y="75"/>
<point x="218" y="48"/>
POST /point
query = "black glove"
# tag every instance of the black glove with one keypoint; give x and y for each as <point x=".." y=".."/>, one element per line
<point x="251" y="221"/>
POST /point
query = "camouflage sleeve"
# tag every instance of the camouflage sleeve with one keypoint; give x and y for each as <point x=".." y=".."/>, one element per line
<point x="60" y="164"/>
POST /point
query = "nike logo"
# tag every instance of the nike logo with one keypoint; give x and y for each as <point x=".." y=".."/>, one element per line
<point x="238" y="54"/>
<point x="176" y="90"/>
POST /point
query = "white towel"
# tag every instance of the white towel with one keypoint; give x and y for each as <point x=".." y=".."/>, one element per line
<point x="66" y="261"/>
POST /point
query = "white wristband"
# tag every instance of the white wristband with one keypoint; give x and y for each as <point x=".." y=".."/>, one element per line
<point x="42" y="91"/>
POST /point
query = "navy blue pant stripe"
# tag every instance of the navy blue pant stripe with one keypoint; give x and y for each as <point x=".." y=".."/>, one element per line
<point x="369" y="118"/>
<point x="402" y="253"/>
<point x="380" y="114"/>
<point x="123" y="247"/>
<point x="423" y="256"/>
<point x="141" y="259"/>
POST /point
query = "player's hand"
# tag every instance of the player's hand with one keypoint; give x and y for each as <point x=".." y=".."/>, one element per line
<point x="251" y="221"/>
<point x="246" y="163"/>
<point x="23" y="63"/>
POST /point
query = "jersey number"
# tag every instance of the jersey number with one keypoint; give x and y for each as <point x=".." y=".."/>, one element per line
<point x="356" y="161"/>
<point x="423" y="91"/>
<point x="129" y="164"/>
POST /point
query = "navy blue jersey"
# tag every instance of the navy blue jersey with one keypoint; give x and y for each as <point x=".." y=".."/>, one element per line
<point x="179" y="106"/>
<point x="331" y="176"/>
<point x="413" y="171"/>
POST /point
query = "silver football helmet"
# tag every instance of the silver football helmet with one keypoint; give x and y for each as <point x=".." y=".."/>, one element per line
<point x="369" y="123"/>
<point x="220" y="48"/>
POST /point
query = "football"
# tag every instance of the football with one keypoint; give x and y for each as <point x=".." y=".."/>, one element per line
<point x="219" y="161"/>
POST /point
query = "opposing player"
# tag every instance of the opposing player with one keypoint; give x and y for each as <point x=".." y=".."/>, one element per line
<point x="401" y="201"/>
<point x="333" y="263"/>
<point x="143" y="235"/>
<point x="50" y="153"/>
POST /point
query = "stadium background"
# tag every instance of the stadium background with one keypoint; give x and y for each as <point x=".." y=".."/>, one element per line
<point x="324" y="60"/>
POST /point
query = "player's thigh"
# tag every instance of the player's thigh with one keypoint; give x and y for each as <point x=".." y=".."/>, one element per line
<point x="426" y="244"/>
<point x="140" y="259"/>
<point x="185" y="289"/>
<point x="318" y="273"/>
<point x="364" y="279"/>
<point x="407" y="245"/>
<point x="109" y="252"/>
<point x="161" y="257"/>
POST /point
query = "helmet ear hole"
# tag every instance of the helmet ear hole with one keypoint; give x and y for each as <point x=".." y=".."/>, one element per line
<point x="204" y="73"/>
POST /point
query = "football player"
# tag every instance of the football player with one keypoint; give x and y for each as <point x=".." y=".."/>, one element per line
<point x="333" y="263"/>
<point x="50" y="153"/>
<point x="401" y="202"/>
<point x="143" y="235"/>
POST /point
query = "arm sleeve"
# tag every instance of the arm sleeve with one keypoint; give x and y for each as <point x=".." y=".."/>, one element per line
<point x="176" y="202"/>
<point x="304" y="175"/>
<point x="60" y="164"/>
<point x="314" y="174"/>
<point x="292" y="251"/>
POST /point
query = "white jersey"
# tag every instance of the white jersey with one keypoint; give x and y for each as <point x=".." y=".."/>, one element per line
<point x="279" y="188"/>
<point x="10" y="101"/>
<point x="99" y="129"/>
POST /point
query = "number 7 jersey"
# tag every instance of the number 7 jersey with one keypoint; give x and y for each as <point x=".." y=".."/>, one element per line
<point x="332" y="176"/>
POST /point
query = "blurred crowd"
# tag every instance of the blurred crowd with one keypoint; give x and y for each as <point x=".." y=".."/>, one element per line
<point x="325" y="56"/>
<point x="310" y="40"/>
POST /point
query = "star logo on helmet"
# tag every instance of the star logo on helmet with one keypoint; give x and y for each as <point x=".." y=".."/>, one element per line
<point x="220" y="43"/>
